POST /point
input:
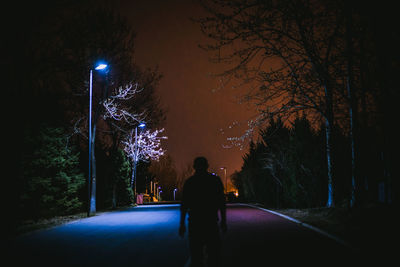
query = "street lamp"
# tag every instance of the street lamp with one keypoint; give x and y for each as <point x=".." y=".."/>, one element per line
<point x="101" y="66"/>
<point x="141" y="126"/>
<point x="91" y="197"/>
<point x="175" y="192"/>
<point x="226" y="181"/>
<point x="158" y="193"/>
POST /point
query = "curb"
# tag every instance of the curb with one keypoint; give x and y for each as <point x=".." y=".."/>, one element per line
<point x="313" y="228"/>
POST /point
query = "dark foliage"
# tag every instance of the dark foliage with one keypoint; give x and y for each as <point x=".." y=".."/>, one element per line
<point x="164" y="173"/>
<point x="335" y="62"/>
<point x="52" y="181"/>
<point x="285" y="167"/>
<point x="51" y="50"/>
<point x="114" y="172"/>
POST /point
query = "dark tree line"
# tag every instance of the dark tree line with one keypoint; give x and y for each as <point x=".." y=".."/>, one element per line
<point x="286" y="168"/>
<point x="333" y="62"/>
<point x="51" y="49"/>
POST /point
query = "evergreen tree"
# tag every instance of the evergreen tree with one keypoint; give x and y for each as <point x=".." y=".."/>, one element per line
<point x="51" y="179"/>
<point x="309" y="166"/>
<point x="286" y="167"/>
<point x="121" y="179"/>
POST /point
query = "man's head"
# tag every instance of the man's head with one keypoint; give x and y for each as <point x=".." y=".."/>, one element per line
<point x="200" y="164"/>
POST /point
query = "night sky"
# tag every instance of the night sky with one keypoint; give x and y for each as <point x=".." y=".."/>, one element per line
<point x="199" y="112"/>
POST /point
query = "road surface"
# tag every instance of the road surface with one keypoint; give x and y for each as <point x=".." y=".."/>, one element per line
<point x="148" y="236"/>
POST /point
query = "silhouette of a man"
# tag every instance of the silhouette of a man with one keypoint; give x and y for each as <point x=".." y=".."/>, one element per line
<point x="203" y="197"/>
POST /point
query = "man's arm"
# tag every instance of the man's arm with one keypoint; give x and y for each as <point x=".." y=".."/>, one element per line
<point x="182" y="227"/>
<point x="224" y="226"/>
<point x="222" y="205"/>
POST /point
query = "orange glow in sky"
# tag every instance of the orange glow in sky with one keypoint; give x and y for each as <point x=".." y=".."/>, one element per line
<point x="198" y="116"/>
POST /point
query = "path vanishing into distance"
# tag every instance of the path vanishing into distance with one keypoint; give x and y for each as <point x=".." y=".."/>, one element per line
<point x="147" y="235"/>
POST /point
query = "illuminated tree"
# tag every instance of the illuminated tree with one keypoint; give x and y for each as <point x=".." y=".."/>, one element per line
<point x="129" y="105"/>
<point x="61" y="44"/>
<point x="114" y="109"/>
<point x="144" y="146"/>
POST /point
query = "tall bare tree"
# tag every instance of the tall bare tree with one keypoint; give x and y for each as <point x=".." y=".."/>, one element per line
<point x="284" y="54"/>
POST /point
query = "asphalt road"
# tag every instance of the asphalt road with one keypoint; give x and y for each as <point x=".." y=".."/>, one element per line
<point x="148" y="236"/>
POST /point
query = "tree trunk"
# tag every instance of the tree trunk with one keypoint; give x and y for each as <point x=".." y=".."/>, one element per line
<point x="363" y="152"/>
<point x="114" y="195"/>
<point x="355" y="189"/>
<point x="329" y="132"/>
<point x="114" y="152"/>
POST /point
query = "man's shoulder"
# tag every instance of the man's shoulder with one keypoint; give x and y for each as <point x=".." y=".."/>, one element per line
<point x="190" y="180"/>
<point x="203" y="175"/>
<point x="202" y="178"/>
<point x="214" y="176"/>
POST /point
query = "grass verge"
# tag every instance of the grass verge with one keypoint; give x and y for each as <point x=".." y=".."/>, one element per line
<point x="369" y="228"/>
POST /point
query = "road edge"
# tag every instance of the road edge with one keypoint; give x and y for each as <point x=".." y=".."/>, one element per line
<point x="306" y="225"/>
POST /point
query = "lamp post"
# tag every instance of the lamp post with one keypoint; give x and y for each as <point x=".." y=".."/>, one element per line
<point x="91" y="197"/>
<point x="135" y="160"/>
<point x="175" y="189"/>
<point x="226" y="181"/>
<point x="159" y="195"/>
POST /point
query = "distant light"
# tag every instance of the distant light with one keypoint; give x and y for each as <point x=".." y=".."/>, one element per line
<point x="142" y="125"/>
<point x="101" y="67"/>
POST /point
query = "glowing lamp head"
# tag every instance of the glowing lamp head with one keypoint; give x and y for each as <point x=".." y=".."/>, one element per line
<point x="142" y="125"/>
<point x="101" y="66"/>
